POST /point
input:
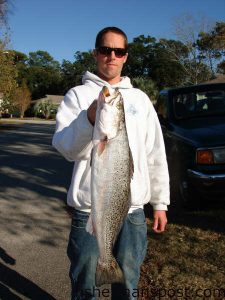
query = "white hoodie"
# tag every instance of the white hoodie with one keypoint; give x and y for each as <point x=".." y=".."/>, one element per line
<point x="73" y="139"/>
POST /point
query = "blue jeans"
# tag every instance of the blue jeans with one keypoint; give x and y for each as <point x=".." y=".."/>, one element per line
<point x="129" y="250"/>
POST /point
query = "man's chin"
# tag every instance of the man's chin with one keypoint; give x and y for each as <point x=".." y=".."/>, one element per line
<point x="111" y="77"/>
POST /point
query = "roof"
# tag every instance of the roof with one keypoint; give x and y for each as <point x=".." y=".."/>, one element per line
<point x="56" y="99"/>
<point x="219" y="79"/>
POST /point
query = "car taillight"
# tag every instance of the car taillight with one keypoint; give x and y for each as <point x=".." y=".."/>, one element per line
<point x="210" y="156"/>
<point x="204" y="157"/>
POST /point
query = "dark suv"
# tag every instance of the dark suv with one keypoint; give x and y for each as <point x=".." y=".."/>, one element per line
<point x="193" y="125"/>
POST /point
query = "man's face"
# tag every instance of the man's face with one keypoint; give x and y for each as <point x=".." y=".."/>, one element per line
<point x="109" y="66"/>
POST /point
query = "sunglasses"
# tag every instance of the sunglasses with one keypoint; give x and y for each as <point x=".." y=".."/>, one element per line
<point x="119" y="52"/>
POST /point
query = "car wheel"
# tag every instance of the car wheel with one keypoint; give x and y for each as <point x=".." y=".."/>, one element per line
<point x="183" y="194"/>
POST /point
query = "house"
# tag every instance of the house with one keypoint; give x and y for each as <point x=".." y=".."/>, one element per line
<point x="220" y="78"/>
<point x="55" y="99"/>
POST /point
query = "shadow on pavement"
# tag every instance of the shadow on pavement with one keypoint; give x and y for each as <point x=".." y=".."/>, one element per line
<point x="11" y="282"/>
<point x="33" y="180"/>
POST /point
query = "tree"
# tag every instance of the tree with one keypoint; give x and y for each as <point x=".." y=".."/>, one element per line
<point x="146" y="85"/>
<point x="42" y="74"/>
<point x="22" y="98"/>
<point x="167" y="66"/>
<point x="20" y="61"/>
<point x="187" y="29"/>
<point x="72" y="72"/>
<point x="3" y="11"/>
<point x="44" y="108"/>
<point x="140" y="56"/>
<point x="42" y="59"/>
<point x="205" y="45"/>
<point x="69" y="75"/>
<point x="219" y="36"/>
<point x="156" y="60"/>
<point x="8" y="72"/>
<point x="42" y="81"/>
<point x="221" y="67"/>
<point x="8" y="84"/>
<point x="84" y="61"/>
<point x="211" y="46"/>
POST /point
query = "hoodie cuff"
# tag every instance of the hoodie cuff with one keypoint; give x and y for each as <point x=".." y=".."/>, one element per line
<point x="160" y="207"/>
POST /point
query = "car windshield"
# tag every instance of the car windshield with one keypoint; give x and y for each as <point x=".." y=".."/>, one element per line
<point x="194" y="104"/>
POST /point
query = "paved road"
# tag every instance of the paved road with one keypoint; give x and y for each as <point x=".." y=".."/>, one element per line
<point x="34" y="226"/>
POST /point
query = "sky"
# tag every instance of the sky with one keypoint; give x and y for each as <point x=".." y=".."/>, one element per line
<point x="63" y="27"/>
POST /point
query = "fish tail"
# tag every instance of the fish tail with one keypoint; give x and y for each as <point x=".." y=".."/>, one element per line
<point x="108" y="273"/>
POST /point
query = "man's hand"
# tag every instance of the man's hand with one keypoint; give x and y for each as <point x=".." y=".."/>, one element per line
<point x="160" y="221"/>
<point x="91" y="112"/>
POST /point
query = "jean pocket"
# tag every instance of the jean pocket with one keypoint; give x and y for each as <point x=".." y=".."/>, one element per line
<point x="137" y="217"/>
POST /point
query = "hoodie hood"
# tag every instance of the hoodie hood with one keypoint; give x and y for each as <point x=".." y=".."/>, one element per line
<point x="93" y="80"/>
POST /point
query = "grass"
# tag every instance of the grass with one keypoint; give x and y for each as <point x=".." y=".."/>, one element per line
<point x="187" y="261"/>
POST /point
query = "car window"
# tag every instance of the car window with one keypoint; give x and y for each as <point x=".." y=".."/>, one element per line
<point x="210" y="102"/>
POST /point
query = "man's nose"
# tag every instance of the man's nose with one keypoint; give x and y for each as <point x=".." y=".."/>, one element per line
<point x="112" y="55"/>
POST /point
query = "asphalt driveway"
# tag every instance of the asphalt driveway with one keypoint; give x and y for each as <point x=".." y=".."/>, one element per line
<point x="34" y="226"/>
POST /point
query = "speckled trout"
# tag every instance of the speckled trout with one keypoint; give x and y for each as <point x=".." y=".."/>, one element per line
<point x="111" y="169"/>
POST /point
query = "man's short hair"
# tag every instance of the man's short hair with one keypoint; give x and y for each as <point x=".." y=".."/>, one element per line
<point x="99" y="37"/>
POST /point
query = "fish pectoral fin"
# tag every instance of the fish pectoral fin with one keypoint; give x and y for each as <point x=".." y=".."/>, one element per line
<point x="101" y="146"/>
<point x="107" y="273"/>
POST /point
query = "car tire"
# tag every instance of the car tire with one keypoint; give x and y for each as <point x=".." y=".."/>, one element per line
<point x="183" y="194"/>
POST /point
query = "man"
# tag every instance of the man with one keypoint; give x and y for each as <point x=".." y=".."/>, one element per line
<point x="150" y="181"/>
